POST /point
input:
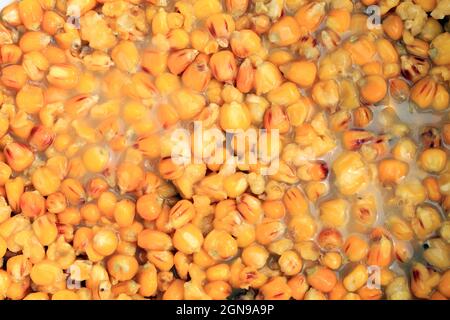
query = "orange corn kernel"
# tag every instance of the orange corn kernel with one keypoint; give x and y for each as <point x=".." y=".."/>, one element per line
<point x="175" y="291"/>
<point x="149" y="146"/>
<point x="321" y="278"/>
<point x="393" y="26"/>
<point x="276" y="289"/>
<point x="338" y="20"/>
<point x="441" y="98"/>
<point x="31" y="13"/>
<point x="178" y="38"/>
<point x="188" y="239"/>
<point x="14" y="76"/>
<point x="10" y="14"/>
<point x="32" y="204"/>
<point x="236" y="7"/>
<point x="386" y="51"/>
<point x="181" y="213"/>
<point x="274" y="209"/>
<point x="373" y="89"/>
<point x="126" y="56"/>
<point x="267" y="77"/>
<point x="355" y="139"/>
<point x="223" y="66"/>
<point x="220" y="244"/>
<point x="280" y="57"/>
<point x="260" y="23"/>
<point x="10" y="54"/>
<point x="34" y="41"/>
<point x="52" y="22"/>
<point x="361" y="50"/>
<point x="391" y="170"/>
<point x="218" y="290"/>
<point x="167" y="116"/>
<point x="399" y="89"/>
<point x="423" y="92"/>
<point x="90" y="214"/>
<point x="202" y="41"/>
<point x="310" y="15"/>
<point x="432" y="186"/>
<point x="245" y="43"/>
<point x="220" y="26"/>
<point x="245" y="76"/>
<point x="187" y="103"/>
<point x="326" y="94"/>
<point x="418" y="48"/>
<point x="122" y="211"/>
<point x="154" y="62"/>
<point x="380" y="253"/>
<point x="179" y="60"/>
<point x="198" y="74"/>
<point x="338" y="292"/>
<point x="373" y="68"/>
<point x="129" y="177"/>
<point x="170" y="170"/>
<point x="73" y="190"/>
<point x="35" y="64"/>
<point x="41" y="138"/>
<point x="79" y="105"/>
<point x="285" y="31"/>
<point x="64" y="76"/>
<point x="269" y="231"/>
<point x="276" y="118"/>
<point x="154" y="240"/>
<point x="18" y="156"/>
<point x="149" y="206"/>
<point x="302" y="73"/>
<point x="30" y="99"/>
<point x="122" y="267"/>
<point x="295" y="202"/>
<point x="54" y="54"/>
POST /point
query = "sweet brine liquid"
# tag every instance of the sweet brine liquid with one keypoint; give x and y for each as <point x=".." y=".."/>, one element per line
<point x="349" y="102"/>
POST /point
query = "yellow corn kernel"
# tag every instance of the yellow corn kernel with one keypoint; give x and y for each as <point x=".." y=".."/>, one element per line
<point x="10" y="14"/>
<point x="88" y="83"/>
<point x="96" y="159"/>
<point x="160" y="23"/>
<point x="178" y="39"/>
<point x="267" y="77"/>
<point x="46" y="273"/>
<point x="284" y="95"/>
<point x="126" y="56"/>
<point x="187" y="103"/>
<point x="30" y="99"/>
<point x="206" y="8"/>
<point x="245" y="43"/>
<point x="45" y="229"/>
<point x="45" y="181"/>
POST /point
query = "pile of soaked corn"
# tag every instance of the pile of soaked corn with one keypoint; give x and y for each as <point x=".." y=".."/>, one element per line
<point x="93" y="206"/>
